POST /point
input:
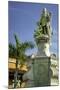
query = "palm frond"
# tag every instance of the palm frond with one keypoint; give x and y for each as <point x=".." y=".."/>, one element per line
<point x="27" y="45"/>
<point x="17" y="41"/>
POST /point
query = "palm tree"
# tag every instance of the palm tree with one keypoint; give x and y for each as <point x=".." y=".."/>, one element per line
<point x="18" y="51"/>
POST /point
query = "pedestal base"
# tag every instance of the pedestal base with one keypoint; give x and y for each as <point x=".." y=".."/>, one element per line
<point x="41" y="71"/>
<point x="39" y="75"/>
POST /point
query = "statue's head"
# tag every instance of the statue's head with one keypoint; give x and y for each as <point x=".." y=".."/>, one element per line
<point x="44" y="11"/>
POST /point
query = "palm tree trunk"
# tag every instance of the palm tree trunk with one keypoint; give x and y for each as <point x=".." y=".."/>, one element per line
<point x="16" y="74"/>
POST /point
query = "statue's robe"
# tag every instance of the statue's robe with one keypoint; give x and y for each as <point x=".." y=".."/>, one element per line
<point x="45" y="24"/>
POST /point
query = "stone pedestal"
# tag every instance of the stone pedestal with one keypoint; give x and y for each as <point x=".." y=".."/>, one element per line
<point x="39" y="74"/>
<point x="42" y="63"/>
<point x="43" y="46"/>
<point x="41" y="71"/>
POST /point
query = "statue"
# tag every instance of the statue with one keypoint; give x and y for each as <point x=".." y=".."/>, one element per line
<point x="44" y="26"/>
<point x="45" y="22"/>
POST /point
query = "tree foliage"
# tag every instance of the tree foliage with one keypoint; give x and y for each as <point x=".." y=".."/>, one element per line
<point x="18" y="50"/>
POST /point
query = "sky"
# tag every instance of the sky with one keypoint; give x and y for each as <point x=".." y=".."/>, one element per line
<point x="22" y="19"/>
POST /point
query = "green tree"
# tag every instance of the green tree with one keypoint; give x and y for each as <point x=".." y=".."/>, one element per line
<point x="18" y="51"/>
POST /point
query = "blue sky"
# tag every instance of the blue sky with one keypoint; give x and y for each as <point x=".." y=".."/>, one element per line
<point x="23" y="18"/>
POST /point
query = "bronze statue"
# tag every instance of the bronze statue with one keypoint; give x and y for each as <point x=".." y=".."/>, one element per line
<point x="44" y="26"/>
<point x="45" y="22"/>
